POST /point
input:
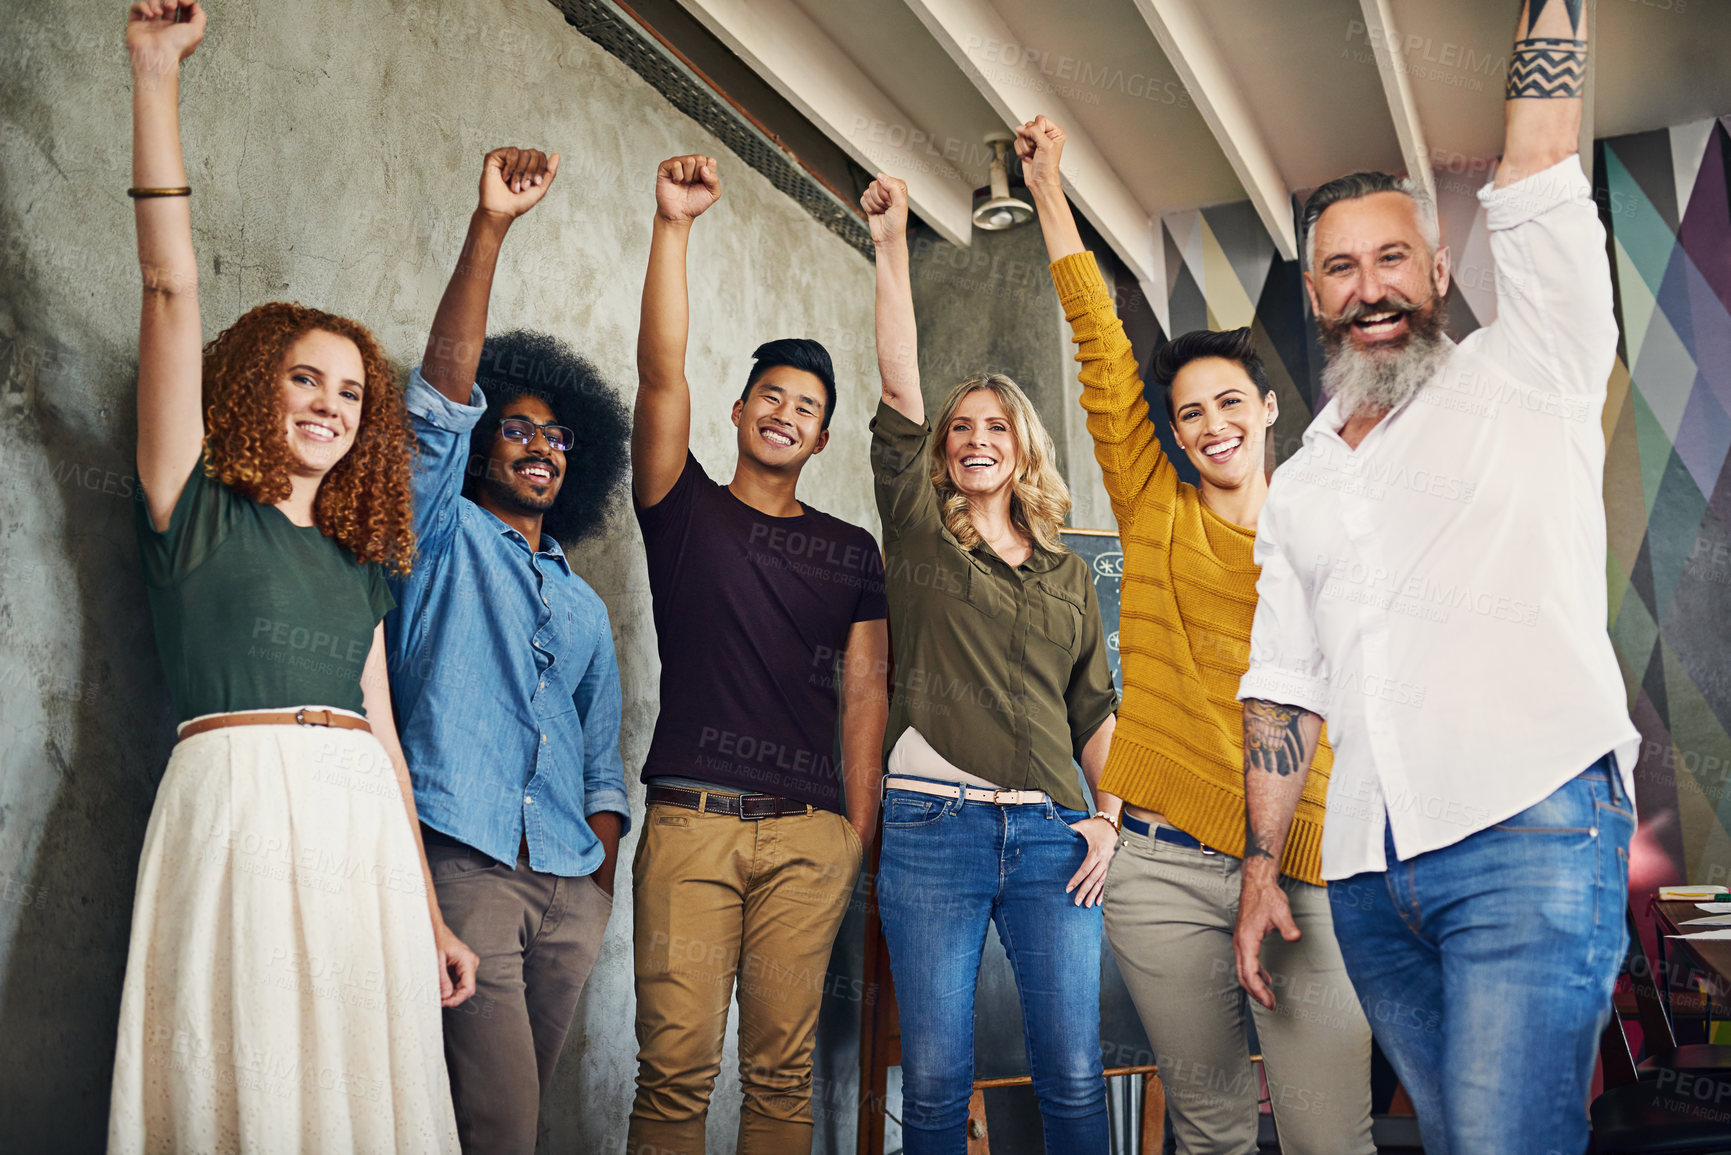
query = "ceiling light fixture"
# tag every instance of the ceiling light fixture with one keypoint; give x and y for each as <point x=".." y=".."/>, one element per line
<point x="1001" y="210"/>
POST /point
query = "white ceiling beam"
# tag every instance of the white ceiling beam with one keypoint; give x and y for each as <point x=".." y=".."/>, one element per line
<point x="1385" y="45"/>
<point x="1185" y="39"/>
<point x="797" y="58"/>
<point x="972" y="33"/>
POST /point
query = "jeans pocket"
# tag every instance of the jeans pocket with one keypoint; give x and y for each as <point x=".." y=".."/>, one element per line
<point x="1070" y="817"/>
<point x="912" y="811"/>
<point x="1569" y="809"/>
<point x="1611" y="808"/>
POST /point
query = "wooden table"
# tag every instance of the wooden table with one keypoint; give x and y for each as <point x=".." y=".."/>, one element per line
<point x="1707" y="960"/>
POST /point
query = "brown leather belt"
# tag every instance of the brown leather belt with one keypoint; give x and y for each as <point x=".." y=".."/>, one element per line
<point x="305" y="716"/>
<point x="745" y="807"/>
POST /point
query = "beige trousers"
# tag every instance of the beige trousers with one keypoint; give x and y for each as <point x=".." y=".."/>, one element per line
<point x="721" y="901"/>
<point x="1169" y="913"/>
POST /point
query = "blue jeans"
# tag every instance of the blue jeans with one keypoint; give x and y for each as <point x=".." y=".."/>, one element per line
<point x="1486" y="968"/>
<point x="947" y="868"/>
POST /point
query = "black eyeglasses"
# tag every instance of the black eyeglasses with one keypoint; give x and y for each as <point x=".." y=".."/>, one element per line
<point x="522" y="431"/>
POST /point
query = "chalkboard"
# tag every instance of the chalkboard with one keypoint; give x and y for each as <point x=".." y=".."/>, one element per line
<point x="1105" y="557"/>
<point x="999" y="1051"/>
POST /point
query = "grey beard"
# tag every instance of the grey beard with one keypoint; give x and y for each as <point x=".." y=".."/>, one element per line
<point x="1369" y="383"/>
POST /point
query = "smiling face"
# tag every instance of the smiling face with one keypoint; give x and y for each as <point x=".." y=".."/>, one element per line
<point x="980" y="446"/>
<point x="321" y="384"/>
<point x="1375" y="282"/>
<point x="524" y="478"/>
<point x="780" y="421"/>
<point x="1221" y="420"/>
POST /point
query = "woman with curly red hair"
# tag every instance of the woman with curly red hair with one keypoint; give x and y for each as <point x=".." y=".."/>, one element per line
<point x="288" y="959"/>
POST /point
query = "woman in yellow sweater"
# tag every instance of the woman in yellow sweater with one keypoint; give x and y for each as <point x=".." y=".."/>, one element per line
<point x="1176" y="763"/>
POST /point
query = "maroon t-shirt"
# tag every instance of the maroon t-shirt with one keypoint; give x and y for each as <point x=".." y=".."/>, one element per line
<point x="752" y="613"/>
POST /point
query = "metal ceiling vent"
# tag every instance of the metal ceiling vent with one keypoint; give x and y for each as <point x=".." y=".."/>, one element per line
<point x="623" y="34"/>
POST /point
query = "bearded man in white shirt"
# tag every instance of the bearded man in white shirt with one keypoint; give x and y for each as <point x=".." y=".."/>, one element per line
<point x="1433" y="584"/>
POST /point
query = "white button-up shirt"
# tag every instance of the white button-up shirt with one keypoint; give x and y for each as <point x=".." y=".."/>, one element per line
<point x="1438" y="594"/>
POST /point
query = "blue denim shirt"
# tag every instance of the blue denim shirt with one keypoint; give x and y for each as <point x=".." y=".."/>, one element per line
<point x="502" y="669"/>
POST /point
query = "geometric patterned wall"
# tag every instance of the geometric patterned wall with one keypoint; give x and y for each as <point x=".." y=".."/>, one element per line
<point x="1222" y="273"/>
<point x="1664" y="199"/>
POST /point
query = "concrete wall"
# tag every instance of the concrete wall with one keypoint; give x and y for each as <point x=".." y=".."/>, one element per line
<point x="992" y="308"/>
<point x="334" y="150"/>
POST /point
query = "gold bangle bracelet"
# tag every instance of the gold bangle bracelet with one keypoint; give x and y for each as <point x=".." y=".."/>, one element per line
<point x="137" y="193"/>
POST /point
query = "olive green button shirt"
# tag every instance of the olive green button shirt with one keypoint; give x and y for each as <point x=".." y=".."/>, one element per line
<point x="1003" y="670"/>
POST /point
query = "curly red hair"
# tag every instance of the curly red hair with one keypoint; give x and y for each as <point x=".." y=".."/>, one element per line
<point x="364" y="502"/>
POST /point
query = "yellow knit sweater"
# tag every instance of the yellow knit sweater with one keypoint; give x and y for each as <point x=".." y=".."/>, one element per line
<point x="1188" y="597"/>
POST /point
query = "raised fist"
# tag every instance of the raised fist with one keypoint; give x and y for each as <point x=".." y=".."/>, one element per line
<point x="685" y="186"/>
<point x="513" y="179"/>
<point x="886" y="205"/>
<point x="162" y="33"/>
<point x="1040" y="145"/>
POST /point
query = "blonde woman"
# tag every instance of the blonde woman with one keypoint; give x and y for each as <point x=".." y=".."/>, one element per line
<point x="1001" y="681"/>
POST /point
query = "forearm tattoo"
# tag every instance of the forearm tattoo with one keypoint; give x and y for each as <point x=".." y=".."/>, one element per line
<point x="1548" y="67"/>
<point x="1253" y="847"/>
<point x="1272" y="741"/>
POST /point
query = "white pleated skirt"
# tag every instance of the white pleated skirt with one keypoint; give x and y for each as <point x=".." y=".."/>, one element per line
<point x="282" y="986"/>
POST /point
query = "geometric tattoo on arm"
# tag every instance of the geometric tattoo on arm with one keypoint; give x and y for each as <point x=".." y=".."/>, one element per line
<point x="1271" y="738"/>
<point x="1546" y="68"/>
<point x="1253" y="847"/>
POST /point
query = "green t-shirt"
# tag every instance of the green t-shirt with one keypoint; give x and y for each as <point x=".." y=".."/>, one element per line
<point x="252" y="611"/>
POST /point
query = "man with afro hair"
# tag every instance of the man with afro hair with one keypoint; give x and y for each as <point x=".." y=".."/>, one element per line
<point x="503" y="670"/>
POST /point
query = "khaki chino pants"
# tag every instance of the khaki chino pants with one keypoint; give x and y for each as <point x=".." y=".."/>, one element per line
<point x="1170" y="912"/>
<point x="720" y="901"/>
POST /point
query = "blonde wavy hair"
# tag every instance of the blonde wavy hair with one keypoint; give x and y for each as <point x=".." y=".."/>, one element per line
<point x="1039" y="499"/>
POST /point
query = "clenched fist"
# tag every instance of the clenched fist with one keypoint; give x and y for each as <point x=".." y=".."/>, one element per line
<point x="514" y="179"/>
<point x="162" y="33"/>
<point x="685" y="186"/>
<point x="886" y="205"/>
<point x="1040" y="145"/>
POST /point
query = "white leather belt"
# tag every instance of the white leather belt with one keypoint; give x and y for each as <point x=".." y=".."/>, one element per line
<point x="969" y="793"/>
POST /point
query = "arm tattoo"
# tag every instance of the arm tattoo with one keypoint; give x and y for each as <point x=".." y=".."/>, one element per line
<point x="1253" y="847"/>
<point x="1536" y="8"/>
<point x="1271" y="738"/>
<point x="1546" y="68"/>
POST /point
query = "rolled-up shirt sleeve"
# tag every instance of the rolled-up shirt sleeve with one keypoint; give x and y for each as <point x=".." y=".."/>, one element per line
<point x="442" y="429"/>
<point x="1286" y="660"/>
<point x="906" y="500"/>
<point x="599" y="704"/>
<point x="1091" y="696"/>
<point x="1555" y="320"/>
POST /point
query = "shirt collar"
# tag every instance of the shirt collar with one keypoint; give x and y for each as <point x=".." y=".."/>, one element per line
<point x="1039" y="561"/>
<point x="550" y="547"/>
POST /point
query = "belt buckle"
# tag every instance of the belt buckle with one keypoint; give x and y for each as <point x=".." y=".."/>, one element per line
<point x="1002" y="790"/>
<point x="301" y="718"/>
<point x="744" y="817"/>
<point x="1207" y="849"/>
